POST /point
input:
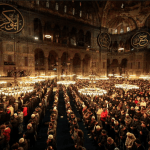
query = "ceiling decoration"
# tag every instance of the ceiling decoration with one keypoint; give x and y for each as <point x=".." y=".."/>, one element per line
<point x="133" y="13"/>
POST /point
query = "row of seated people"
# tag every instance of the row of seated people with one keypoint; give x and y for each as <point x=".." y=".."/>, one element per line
<point x="12" y="129"/>
<point x="117" y="130"/>
<point x="76" y="134"/>
<point x="51" y="132"/>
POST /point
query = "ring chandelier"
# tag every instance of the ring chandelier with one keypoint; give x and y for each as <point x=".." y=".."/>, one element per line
<point x="66" y="82"/>
<point x="16" y="90"/>
<point x="126" y="86"/>
<point x="92" y="91"/>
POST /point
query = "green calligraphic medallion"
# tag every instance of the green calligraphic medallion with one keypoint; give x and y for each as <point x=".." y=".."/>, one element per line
<point x="104" y="40"/>
<point x="140" y="39"/>
<point x="11" y="20"/>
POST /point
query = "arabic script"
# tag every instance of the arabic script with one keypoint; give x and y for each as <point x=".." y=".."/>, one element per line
<point x="10" y="19"/>
<point x="140" y="40"/>
<point x="104" y="40"/>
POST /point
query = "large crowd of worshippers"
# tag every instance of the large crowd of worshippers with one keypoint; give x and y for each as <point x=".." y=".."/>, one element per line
<point x="21" y="118"/>
<point x="119" y="119"/>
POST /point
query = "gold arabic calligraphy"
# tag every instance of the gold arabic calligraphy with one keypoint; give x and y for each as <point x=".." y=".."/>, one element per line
<point x="10" y="20"/>
<point x="140" y="40"/>
<point x="104" y="40"/>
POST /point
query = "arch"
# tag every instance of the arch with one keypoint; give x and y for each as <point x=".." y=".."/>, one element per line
<point x="108" y="66"/>
<point x="88" y="38"/>
<point x="80" y="41"/>
<point x="48" y="31"/>
<point x="73" y="34"/>
<point x="86" y="64"/>
<point x="114" y="67"/>
<point x="39" y="59"/>
<point x="114" y="62"/>
<point x="115" y="46"/>
<point x="147" y="22"/>
<point x="52" y="60"/>
<point x="65" y="35"/>
<point x="65" y="58"/>
<point x="76" y="63"/>
<point x="123" y="65"/>
<point x="38" y="29"/>
<point x="65" y="62"/>
<point x="56" y="35"/>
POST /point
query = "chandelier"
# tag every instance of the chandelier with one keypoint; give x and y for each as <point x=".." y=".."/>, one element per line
<point x="92" y="91"/>
<point x="126" y="86"/>
<point x="66" y="83"/>
<point x="16" y="91"/>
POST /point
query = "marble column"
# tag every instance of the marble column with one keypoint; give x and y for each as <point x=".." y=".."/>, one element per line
<point x="71" y="66"/>
<point x="59" y="69"/>
<point x="46" y="65"/>
<point x="82" y="67"/>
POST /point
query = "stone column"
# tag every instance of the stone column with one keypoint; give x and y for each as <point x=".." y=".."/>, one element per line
<point x="46" y="65"/>
<point x="59" y="69"/>
<point x="82" y="67"/>
<point x="71" y="66"/>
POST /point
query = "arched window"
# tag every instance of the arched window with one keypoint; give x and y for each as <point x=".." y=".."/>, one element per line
<point x="121" y="31"/>
<point x="73" y="11"/>
<point x="65" y="9"/>
<point x="87" y="16"/>
<point x="128" y="29"/>
<point x="56" y="6"/>
<point x="88" y="39"/>
<point x="80" y="13"/>
<point x="47" y="4"/>
<point x="38" y="29"/>
<point x="37" y="2"/>
<point x="73" y="36"/>
<point x="115" y="31"/>
<point x="81" y="38"/>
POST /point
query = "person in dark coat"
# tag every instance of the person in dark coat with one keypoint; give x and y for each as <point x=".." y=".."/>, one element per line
<point x="23" y="143"/>
<point x="138" y="145"/>
<point x="51" y="142"/>
<point x="122" y="136"/>
<point x="80" y="139"/>
<point x="102" y="140"/>
<point x="29" y="135"/>
<point x="110" y="144"/>
<point x="96" y="132"/>
<point x="143" y="134"/>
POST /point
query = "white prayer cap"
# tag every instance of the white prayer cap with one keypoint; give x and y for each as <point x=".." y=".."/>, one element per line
<point x="29" y="125"/>
<point x="33" y="115"/>
<point x="98" y="127"/>
<point x="21" y="140"/>
<point x="15" y="114"/>
<point x="50" y="137"/>
<point x="93" y="117"/>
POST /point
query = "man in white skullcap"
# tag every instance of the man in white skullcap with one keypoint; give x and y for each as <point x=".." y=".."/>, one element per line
<point x="29" y="134"/>
<point x="51" y="141"/>
<point x="23" y="143"/>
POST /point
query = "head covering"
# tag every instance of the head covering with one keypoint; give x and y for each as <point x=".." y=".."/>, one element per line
<point x="50" y="137"/>
<point x="98" y="127"/>
<point x="29" y="125"/>
<point x="93" y="117"/>
<point x="33" y="115"/>
<point x="129" y="134"/>
<point x="21" y="140"/>
<point x="15" y="114"/>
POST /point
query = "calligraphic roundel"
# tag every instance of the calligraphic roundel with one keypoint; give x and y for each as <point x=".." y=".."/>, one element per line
<point x="104" y="40"/>
<point x="11" y="20"/>
<point x="140" y="39"/>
